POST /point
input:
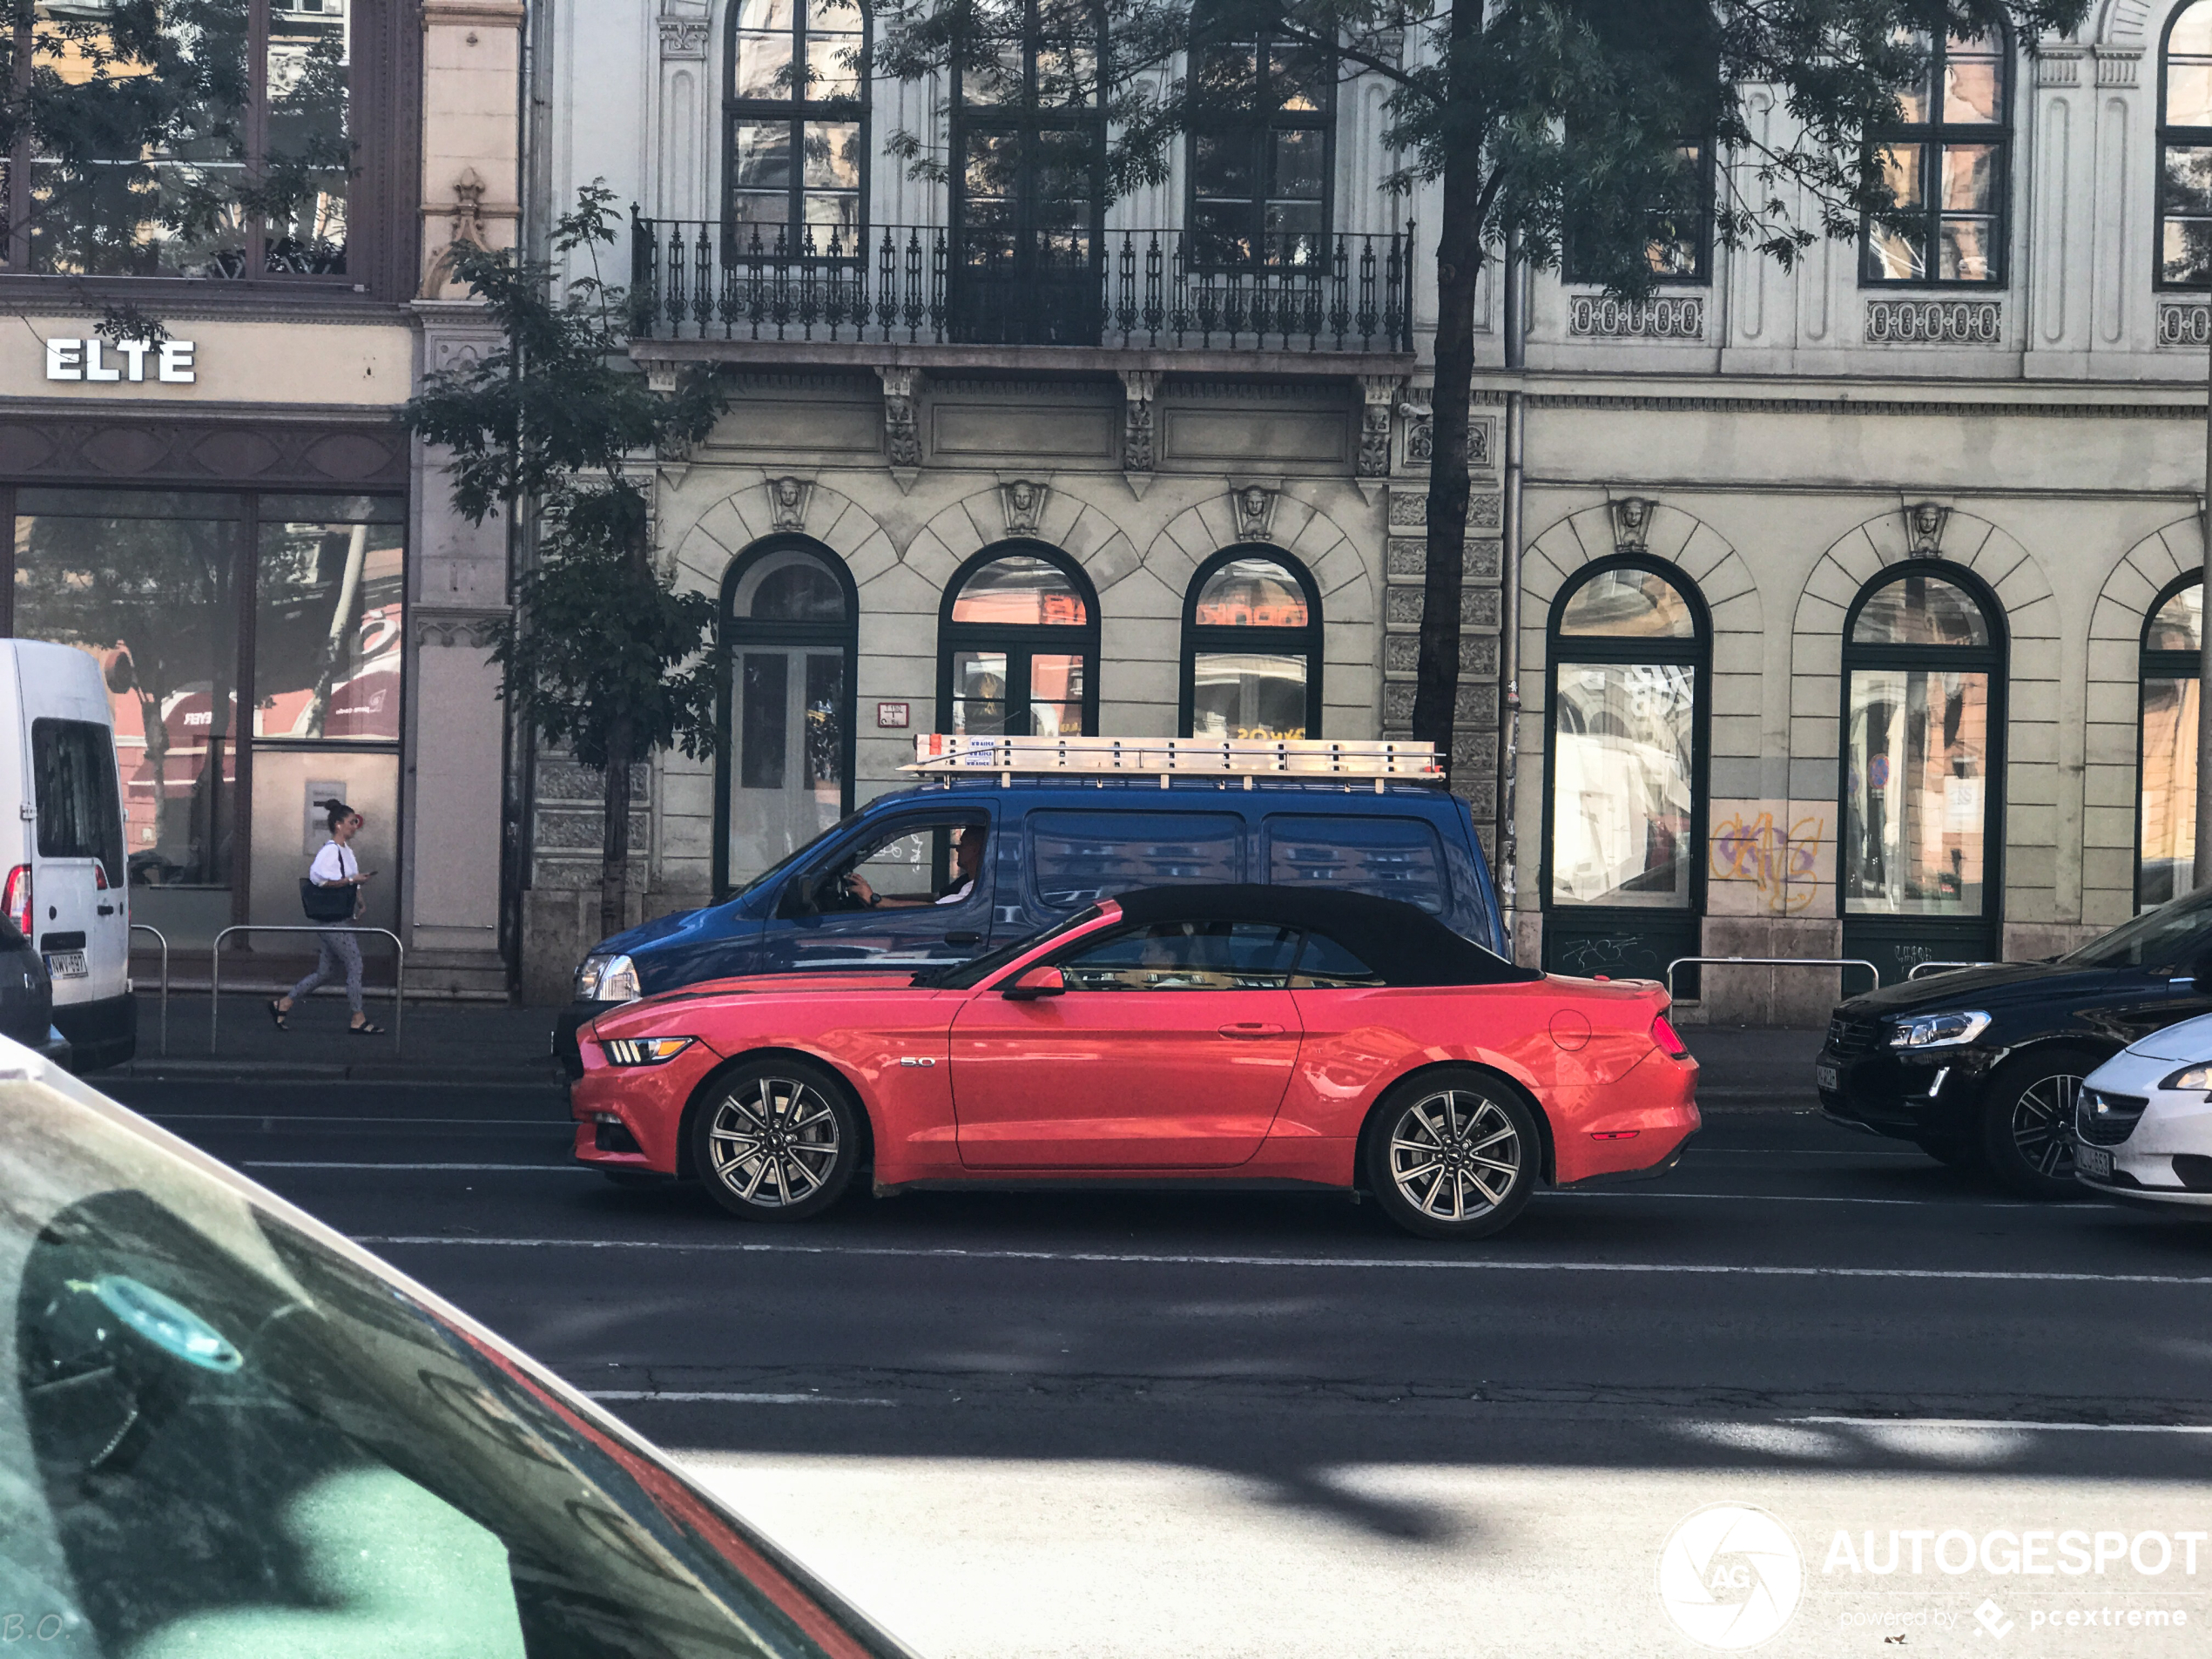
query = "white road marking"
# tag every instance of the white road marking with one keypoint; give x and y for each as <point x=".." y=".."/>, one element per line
<point x="332" y="1164"/>
<point x="1464" y="1264"/>
<point x="723" y="1397"/>
<point x="2005" y="1423"/>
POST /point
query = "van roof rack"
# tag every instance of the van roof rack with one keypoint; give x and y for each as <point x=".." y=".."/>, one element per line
<point x="941" y="754"/>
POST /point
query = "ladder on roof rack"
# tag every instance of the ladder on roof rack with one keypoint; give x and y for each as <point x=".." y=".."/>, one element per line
<point x="939" y="753"/>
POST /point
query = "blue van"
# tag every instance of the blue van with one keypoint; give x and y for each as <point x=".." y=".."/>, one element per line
<point x="1050" y="848"/>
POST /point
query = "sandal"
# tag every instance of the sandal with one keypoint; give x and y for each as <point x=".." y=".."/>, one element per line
<point x="367" y="1030"/>
<point x="277" y="1014"/>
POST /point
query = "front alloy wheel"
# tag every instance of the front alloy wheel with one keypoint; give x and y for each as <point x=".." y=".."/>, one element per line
<point x="776" y="1141"/>
<point x="2028" y="1124"/>
<point x="1453" y="1157"/>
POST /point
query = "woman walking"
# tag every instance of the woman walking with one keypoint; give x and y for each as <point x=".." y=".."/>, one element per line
<point x="334" y="867"/>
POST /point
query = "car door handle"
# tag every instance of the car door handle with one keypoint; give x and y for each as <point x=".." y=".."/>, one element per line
<point x="1251" y="1029"/>
<point x="107" y="909"/>
<point x="964" y="938"/>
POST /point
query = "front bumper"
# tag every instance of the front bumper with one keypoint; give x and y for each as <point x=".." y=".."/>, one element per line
<point x="2166" y="1158"/>
<point x="1933" y="1094"/>
<point x="631" y="1117"/>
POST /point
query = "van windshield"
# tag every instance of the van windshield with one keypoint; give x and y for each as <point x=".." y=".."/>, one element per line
<point x="789" y="859"/>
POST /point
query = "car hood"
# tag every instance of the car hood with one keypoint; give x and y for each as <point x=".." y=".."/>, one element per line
<point x="617" y="1022"/>
<point x="2004" y="982"/>
<point x="2190" y="1040"/>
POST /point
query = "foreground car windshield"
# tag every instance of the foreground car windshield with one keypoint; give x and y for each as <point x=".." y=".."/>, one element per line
<point x="967" y="975"/>
<point x="220" y="1435"/>
<point x="2156" y="939"/>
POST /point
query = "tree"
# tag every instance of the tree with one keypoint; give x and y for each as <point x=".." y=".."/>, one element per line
<point x="600" y="652"/>
<point x="1575" y="130"/>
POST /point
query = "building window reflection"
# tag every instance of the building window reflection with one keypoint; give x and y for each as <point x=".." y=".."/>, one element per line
<point x="797" y="156"/>
<point x="1947" y="166"/>
<point x="1018" y="646"/>
<point x="2166" y="775"/>
<point x="1251" y="648"/>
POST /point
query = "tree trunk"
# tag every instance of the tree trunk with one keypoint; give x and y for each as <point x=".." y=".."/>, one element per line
<point x="1458" y="260"/>
<point x="614" y="843"/>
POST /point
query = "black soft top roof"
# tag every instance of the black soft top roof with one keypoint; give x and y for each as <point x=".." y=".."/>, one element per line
<point x="1401" y="942"/>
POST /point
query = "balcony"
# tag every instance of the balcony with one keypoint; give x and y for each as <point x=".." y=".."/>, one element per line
<point x="1004" y="295"/>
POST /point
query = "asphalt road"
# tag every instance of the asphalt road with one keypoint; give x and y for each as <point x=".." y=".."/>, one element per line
<point x="1216" y="1423"/>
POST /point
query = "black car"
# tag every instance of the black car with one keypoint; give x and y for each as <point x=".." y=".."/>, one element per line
<point x="1980" y="1066"/>
<point x="27" y="997"/>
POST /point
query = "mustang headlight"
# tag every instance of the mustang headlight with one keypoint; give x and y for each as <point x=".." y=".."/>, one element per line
<point x="2194" y="1078"/>
<point x="607" y="979"/>
<point x="1938" y="1031"/>
<point x="643" y="1051"/>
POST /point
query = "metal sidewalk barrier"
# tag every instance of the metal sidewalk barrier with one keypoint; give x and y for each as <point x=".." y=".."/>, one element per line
<point x="215" y="973"/>
<point x="1770" y="962"/>
<point x="163" y="939"/>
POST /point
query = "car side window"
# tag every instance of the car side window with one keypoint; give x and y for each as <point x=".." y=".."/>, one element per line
<point x="904" y="861"/>
<point x="1391" y="857"/>
<point x="1325" y="965"/>
<point x="1076" y="859"/>
<point x="1185" y="956"/>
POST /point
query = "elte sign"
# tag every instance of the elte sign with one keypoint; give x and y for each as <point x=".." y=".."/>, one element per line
<point x="88" y="359"/>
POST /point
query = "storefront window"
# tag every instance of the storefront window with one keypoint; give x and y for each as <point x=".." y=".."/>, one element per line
<point x="1627" y="658"/>
<point x="787" y="767"/>
<point x="1019" y="648"/>
<point x="189" y="153"/>
<point x="157" y="585"/>
<point x="1920" y="662"/>
<point x="2166" y="825"/>
<point x="1252" y="649"/>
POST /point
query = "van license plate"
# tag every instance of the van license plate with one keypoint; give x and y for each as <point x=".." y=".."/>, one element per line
<point x="1827" y="1077"/>
<point x="2093" y="1160"/>
<point x="66" y="964"/>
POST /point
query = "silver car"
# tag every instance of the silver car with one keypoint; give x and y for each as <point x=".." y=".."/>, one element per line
<point x="2142" y="1127"/>
<point x="225" y="1430"/>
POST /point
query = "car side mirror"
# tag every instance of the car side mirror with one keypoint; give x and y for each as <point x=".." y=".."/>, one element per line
<point x="1033" y="982"/>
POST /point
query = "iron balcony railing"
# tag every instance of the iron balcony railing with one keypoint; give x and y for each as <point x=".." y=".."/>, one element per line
<point x="909" y="285"/>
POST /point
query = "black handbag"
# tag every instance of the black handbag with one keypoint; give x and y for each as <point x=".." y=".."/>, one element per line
<point x="327" y="904"/>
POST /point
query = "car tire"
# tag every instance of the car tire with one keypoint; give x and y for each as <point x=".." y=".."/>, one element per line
<point x="2027" y="1121"/>
<point x="1490" y="1154"/>
<point x="776" y="1140"/>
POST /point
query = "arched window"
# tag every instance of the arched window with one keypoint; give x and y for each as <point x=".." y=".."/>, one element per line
<point x="1251" y="648"/>
<point x="2166" y="779"/>
<point x="2185" y="150"/>
<point x="1018" y="646"/>
<point x="1947" y="164"/>
<point x="1923" y="662"/>
<point x="1625" y="798"/>
<point x="785" y="768"/>
<point x="1262" y="149"/>
<point x="795" y="161"/>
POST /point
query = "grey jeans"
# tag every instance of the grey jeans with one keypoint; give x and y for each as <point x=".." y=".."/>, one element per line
<point x="339" y="951"/>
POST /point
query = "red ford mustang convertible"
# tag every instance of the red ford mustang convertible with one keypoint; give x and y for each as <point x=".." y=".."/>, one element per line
<point x="1255" y="1033"/>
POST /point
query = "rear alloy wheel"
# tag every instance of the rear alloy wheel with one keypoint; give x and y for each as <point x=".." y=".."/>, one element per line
<point x="1453" y="1154"/>
<point x="2028" y="1122"/>
<point x="777" y="1141"/>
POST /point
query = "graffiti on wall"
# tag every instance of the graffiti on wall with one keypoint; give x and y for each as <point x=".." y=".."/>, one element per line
<point x="1777" y="854"/>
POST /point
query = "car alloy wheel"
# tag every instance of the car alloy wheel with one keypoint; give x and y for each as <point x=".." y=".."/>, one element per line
<point x="775" y="1141"/>
<point x="2027" y="1129"/>
<point x="1453" y="1157"/>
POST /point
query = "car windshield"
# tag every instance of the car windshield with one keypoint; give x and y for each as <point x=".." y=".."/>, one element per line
<point x="964" y="977"/>
<point x="2172" y="934"/>
<point x="221" y="1434"/>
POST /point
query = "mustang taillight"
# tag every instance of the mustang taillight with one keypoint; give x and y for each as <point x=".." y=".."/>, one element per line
<point x="15" y="899"/>
<point x="1664" y="1038"/>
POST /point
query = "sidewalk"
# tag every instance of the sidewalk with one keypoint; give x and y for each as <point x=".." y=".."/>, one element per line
<point x="1742" y="1067"/>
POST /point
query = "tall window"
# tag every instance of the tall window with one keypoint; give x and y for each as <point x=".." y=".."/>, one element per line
<point x="1252" y="649"/>
<point x="785" y="763"/>
<point x="1261" y="147"/>
<point x="1946" y="164"/>
<point x="1678" y="244"/>
<point x="798" y="144"/>
<point x="1923" y="663"/>
<point x="2185" y="150"/>
<point x="223" y="144"/>
<point x="1018" y="647"/>
<point x="2166" y="779"/>
<point x="1627" y="651"/>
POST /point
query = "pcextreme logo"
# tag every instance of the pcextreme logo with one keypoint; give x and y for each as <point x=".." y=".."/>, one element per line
<point x="1730" y="1577"/>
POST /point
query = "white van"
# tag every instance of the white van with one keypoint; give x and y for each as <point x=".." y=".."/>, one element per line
<point x="61" y="879"/>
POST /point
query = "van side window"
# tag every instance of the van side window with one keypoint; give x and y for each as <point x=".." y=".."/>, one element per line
<point x="72" y="767"/>
<point x="1185" y="956"/>
<point x="1391" y="858"/>
<point x="1325" y="965"/>
<point x="1077" y="859"/>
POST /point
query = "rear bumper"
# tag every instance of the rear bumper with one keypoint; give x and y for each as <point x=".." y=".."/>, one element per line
<point x="100" y="1034"/>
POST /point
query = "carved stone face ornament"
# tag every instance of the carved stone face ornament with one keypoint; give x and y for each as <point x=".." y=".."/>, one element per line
<point x="1925" y="520"/>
